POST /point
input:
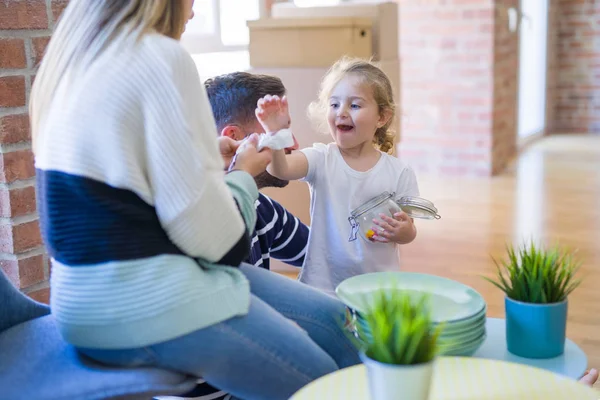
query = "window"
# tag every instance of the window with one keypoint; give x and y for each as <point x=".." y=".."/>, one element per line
<point x="220" y="25"/>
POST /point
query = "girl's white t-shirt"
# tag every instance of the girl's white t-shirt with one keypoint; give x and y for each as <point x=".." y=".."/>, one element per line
<point x="336" y="190"/>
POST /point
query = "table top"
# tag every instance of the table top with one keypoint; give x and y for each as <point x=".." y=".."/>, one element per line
<point x="573" y="363"/>
<point x="463" y="378"/>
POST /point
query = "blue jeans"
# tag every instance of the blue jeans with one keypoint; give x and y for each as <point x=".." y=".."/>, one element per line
<point x="262" y="355"/>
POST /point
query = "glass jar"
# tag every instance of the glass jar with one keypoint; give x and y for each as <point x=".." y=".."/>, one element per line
<point x="361" y="219"/>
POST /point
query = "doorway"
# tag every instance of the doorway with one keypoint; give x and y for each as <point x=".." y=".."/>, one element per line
<point x="532" y="68"/>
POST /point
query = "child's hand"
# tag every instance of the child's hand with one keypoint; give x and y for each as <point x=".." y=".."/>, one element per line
<point x="400" y="229"/>
<point x="273" y="113"/>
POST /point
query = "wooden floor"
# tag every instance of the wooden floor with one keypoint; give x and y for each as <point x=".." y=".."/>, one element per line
<point x="550" y="194"/>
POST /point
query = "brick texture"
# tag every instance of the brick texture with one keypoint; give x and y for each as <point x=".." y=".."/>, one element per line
<point x="13" y="53"/>
<point x="12" y="91"/>
<point x="58" y="6"/>
<point x="16" y="166"/>
<point x="14" y="128"/>
<point x="448" y="81"/>
<point x="17" y="238"/>
<point x="575" y="86"/>
<point x="25" y="272"/>
<point x="23" y="14"/>
<point x="41" y="295"/>
<point x="459" y="74"/>
<point x="17" y="202"/>
<point x="39" y="47"/>
<point x="25" y="29"/>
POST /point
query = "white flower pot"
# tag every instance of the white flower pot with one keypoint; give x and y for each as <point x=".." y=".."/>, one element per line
<point x="398" y="382"/>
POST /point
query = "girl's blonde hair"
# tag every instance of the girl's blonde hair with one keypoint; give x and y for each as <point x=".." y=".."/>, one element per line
<point x="381" y="86"/>
<point x="84" y="31"/>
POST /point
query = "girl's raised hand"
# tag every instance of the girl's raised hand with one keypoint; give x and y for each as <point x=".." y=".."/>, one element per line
<point x="273" y="113"/>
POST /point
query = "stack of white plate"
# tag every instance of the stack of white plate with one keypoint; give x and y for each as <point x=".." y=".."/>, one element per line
<point x="458" y="307"/>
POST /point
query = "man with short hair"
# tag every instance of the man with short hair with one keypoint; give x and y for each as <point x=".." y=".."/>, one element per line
<point x="278" y="233"/>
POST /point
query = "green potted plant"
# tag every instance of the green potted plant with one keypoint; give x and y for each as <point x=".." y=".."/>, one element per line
<point x="537" y="283"/>
<point x="401" y="345"/>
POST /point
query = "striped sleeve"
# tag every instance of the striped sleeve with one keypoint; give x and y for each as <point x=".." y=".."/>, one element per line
<point x="193" y="201"/>
<point x="288" y="235"/>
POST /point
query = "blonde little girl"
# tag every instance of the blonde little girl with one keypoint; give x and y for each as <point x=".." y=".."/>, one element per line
<point x="356" y="105"/>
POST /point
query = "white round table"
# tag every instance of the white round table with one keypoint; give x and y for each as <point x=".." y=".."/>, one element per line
<point x="459" y="378"/>
<point x="573" y="362"/>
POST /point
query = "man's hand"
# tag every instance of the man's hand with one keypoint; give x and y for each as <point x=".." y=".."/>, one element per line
<point x="400" y="229"/>
<point x="228" y="147"/>
<point x="273" y="113"/>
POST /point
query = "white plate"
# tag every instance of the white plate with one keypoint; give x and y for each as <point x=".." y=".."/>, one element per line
<point x="450" y="329"/>
<point x="466" y="324"/>
<point x="455" y="338"/>
<point x="463" y="338"/>
<point x="450" y="301"/>
<point x="465" y="349"/>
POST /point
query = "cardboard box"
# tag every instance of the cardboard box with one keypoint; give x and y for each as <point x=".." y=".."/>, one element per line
<point x="308" y="42"/>
<point x="383" y="14"/>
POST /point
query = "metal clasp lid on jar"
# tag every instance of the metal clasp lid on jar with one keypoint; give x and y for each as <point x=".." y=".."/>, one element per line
<point x="360" y="210"/>
<point x="416" y="207"/>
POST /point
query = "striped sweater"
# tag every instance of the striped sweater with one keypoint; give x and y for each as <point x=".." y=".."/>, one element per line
<point x="142" y="224"/>
<point x="278" y="234"/>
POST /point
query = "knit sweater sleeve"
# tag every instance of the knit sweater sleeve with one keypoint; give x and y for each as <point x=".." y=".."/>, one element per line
<point x="193" y="200"/>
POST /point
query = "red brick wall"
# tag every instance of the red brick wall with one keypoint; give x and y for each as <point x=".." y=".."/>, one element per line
<point x="446" y="53"/>
<point x="25" y="27"/>
<point x="576" y="91"/>
<point x="459" y="70"/>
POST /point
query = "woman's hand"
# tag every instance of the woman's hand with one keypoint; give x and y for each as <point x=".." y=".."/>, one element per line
<point x="249" y="159"/>
<point x="227" y="147"/>
<point x="400" y="229"/>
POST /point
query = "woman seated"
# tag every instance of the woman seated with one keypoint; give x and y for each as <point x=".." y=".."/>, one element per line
<point x="146" y="231"/>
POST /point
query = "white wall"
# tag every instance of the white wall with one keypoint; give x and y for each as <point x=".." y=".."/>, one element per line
<point x="532" y="71"/>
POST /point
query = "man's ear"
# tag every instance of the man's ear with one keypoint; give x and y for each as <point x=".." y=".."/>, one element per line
<point x="233" y="131"/>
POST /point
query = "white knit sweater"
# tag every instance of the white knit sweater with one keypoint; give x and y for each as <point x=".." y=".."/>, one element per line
<point x="136" y="210"/>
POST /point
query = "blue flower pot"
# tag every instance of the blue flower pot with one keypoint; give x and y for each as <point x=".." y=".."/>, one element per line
<point x="535" y="330"/>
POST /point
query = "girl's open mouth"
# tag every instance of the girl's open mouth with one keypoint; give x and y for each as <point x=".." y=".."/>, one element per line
<point x="345" y="128"/>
